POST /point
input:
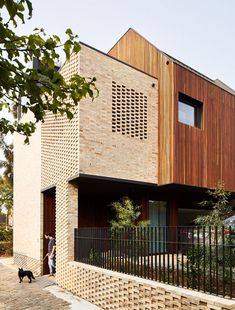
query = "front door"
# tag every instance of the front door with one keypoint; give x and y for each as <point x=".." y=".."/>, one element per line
<point x="48" y="222"/>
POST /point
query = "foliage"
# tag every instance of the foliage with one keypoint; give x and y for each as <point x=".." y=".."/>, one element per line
<point x="215" y="255"/>
<point x="93" y="258"/>
<point x="219" y="203"/>
<point x="6" y="248"/>
<point x="7" y="163"/>
<point x="6" y="240"/>
<point x="5" y="234"/>
<point x="6" y="181"/>
<point x="212" y="258"/>
<point x="6" y="197"/>
<point x="35" y="89"/>
<point x="127" y="214"/>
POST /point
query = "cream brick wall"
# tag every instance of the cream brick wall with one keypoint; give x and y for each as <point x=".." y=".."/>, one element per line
<point x="65" y="149"/>
<point x="60" y="160"/>
<point x="27" y="199"/>
<point x="107" y="153"/>
<point x="112" y="290"/>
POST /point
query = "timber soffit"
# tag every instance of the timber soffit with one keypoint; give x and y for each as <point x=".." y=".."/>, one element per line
<point x="216" y="82"/>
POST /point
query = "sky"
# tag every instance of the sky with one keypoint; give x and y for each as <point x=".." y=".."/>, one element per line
<point x="200" y="33"/>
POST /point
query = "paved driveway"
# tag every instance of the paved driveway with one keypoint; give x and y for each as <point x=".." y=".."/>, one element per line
<point x="42" y="293"/>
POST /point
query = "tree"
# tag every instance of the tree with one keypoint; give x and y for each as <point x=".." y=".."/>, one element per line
<point x="6" y="198"/>
<point x="42" y="89"/>
<point x="213" y="253"/>
<point x="219" y="203"/>
<point x="7" y="163"/>
<point x="127" y="214"/>
<point x="6" y="181"/>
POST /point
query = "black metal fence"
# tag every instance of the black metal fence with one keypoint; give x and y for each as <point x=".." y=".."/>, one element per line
<point x="200" y="258"/>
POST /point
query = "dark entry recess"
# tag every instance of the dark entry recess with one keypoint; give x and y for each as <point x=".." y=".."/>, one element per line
<point x="48" y="221"/>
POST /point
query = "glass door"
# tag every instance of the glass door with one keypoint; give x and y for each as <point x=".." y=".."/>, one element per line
<point x="157" y="218"/>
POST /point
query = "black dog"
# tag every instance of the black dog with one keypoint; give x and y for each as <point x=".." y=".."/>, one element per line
<point x="22" y="273"/>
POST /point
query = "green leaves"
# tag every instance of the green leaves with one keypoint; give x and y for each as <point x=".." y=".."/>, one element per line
<point x="71" y="45"/>
<point x="220" y="207"/>
<point x="127" y="214"/>
<point x="36" y="89"/>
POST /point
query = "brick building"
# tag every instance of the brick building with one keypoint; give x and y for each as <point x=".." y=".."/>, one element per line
<point x="159" y="132"/>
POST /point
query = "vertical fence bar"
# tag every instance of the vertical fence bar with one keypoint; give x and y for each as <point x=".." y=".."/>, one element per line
<point x="124" y="262"/>
<point x="155" y="253"/>
<point x="230" y="263"/>
<point x="117" y="236"/>
<point x="210" y="264"/>
<point x="130" y="238"/>
<point x="128" y="250"/>
<point x="141" y="251"/>
<point x="111" y="249"/>
<point x="104" y="252"/>
<point x="168" y="255"/>
<point x="137" y="252"/>
<point x="104" y="246"/>
<point x="75" y="245"/>
<point x="177" y="256"/>
<point x="187" y="252"/>
<point x="164" y="252"/>
<point x="204" y="258"/>
<point x="115" y="250"/>
<point x="151" y="238"/>
<point x="100" y="248"/>
<point x="216" y="260"/>
<point x="122" y="252"/>
<point x="173" y="254"/>
<point x="198" y="258"/>
<point x="193" y="260"/>
<point x="159" y="253"/>
<point x="182" y="237"/>
<point x="148" y="248"/>
<point x="145" y="254"/>
<point x="223" y="260"/>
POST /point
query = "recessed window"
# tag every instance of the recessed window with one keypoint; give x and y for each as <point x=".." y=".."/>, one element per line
<point x="189" y="111"/>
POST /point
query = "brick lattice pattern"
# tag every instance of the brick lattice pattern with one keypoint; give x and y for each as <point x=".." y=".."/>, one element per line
<point x="129" y="112"/>
<point x="112" y="290"/>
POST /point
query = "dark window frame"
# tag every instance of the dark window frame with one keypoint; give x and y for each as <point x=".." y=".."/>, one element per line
<point x="196" y="104"/>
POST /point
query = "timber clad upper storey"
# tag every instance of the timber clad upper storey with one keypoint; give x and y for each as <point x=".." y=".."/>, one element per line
<point x="196" y="117"/>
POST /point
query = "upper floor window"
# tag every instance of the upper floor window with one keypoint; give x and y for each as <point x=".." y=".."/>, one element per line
<point x="189" y="111"/>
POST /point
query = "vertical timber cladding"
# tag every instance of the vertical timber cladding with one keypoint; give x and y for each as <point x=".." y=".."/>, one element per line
<point x="133" y="49"/>
<point x="203" y="156"/>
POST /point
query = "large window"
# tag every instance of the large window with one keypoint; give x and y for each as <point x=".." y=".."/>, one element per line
<point x="189" y="111"/>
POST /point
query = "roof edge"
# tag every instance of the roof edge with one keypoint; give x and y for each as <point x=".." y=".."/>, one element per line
<point x="216" y="82"/>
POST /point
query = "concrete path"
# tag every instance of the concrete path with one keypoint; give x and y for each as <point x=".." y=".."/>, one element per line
<point x="42" y="293"/>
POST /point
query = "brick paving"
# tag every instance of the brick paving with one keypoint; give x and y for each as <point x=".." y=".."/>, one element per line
<point x="35" y="295"/>
<point x="25" y="295"/>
